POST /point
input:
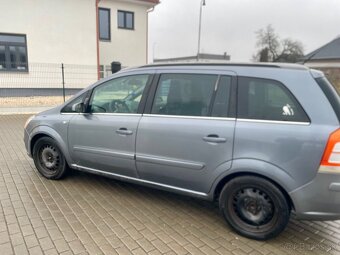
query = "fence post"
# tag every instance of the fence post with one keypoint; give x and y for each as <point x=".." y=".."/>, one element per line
<point x="63" y="79"/>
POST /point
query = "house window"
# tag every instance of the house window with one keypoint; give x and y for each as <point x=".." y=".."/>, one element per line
<point x="104" y="24"/>
<point x="13" y="52"/>
<point x="126" y="20"/>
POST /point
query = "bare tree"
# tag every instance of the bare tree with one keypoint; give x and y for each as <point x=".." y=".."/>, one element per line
<point x="272" y="49"/>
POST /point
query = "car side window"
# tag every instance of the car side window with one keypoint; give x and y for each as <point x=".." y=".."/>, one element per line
<point x="72" y="106"/>
<point x="222" y="100"/>
<point x="120" y="95"/>
<point x="184" y="94"/>
<point x="264" y="99"/>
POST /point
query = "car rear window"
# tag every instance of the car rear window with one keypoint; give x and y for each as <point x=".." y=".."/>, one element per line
<point x="331" y="93"/>
<point x="264" y="99"/>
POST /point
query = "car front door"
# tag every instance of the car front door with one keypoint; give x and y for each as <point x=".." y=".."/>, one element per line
<point x="103" y="139"/>
<point x="185" y="137"/>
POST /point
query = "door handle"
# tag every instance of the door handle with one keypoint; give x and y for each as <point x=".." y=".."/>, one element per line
<point x="124" y="131"/>
<point x="214" y="139"/>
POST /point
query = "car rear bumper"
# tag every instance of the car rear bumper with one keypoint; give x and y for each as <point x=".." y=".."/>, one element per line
<point x="318" y="199"/>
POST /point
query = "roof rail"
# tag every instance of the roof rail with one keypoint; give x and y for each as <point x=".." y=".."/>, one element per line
<point x="271" y="65"/>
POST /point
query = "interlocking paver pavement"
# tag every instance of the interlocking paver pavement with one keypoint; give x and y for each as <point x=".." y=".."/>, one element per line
<point x="87" y="214"/>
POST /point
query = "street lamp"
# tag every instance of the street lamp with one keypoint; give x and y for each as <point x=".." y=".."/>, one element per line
<point x="199" y="29"/>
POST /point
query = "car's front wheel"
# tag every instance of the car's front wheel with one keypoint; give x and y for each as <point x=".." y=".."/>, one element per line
<point x="49" y="159"/>
<point x="254" y="207"/>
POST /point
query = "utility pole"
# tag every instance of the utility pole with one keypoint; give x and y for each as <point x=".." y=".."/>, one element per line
<point x="199" y="29"/>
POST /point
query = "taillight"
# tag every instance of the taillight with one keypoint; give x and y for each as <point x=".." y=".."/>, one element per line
<point x="331" y="156"/>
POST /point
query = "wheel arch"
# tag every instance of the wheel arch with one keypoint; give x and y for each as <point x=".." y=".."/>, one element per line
<point x="253" y="167"/>
<point x="229" y="177"/>
<point x="45" y="131"/>
<point x="36" y="137"/>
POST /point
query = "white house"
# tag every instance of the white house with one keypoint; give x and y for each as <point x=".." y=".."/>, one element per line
<point x="36" y="35"/>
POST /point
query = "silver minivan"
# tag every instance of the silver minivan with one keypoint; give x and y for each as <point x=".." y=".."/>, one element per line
<point x="262" y="140"/>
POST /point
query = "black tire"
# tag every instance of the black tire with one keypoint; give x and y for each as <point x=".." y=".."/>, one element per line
<point x="254" y="207"/>
<point x="49" y="159"/>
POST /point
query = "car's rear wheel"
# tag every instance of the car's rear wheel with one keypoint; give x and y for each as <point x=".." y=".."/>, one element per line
<point x="254" y="207"/>
<point x="49" y="159"/>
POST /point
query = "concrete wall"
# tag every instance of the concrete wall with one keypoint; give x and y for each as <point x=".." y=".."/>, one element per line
<point x="57" y="30"/>
<point x="323" y="63"/>
<point x="126" y="46"/>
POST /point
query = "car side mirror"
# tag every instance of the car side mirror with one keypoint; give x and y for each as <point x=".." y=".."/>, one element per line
<point x="79" y="107"/>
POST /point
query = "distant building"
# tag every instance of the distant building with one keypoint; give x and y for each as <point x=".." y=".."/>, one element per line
<point x="326" y="59"/>
<point x="202" y="57"/>
<point x="327" y="56"/>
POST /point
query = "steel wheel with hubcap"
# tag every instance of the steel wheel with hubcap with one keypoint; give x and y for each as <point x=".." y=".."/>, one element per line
<point x="49" y="159"/>
<point x="254" y="207"/>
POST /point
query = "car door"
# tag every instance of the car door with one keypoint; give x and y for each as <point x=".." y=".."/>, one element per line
<point x="104" y="138"/>
<point x="187" y="131"/>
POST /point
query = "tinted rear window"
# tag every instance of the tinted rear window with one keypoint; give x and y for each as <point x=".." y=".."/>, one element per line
<point x="331" y="93"/>
<point x="264" y="99"/>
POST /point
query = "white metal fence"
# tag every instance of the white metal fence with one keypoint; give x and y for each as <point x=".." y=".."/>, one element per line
<point x="45" y="84"/>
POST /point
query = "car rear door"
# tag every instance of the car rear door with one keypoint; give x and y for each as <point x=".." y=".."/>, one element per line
<point x="185" y="136"/>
